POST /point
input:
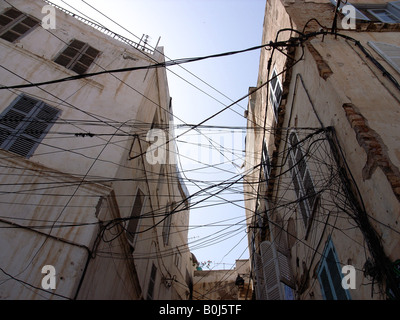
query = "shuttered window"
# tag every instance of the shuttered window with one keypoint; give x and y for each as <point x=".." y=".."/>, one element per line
<point x="384" y="15"/>
<point x="277" y="274"/>
<point x="389" y="52"/>
<point x="152" y="280"/>
<point x="266" y="162"/>
<point x="167" y="225"/>
<point x="261" y="293"/>
<point x="301" y="177"/>
<point x="78" y="56"/>
<point x="14" y="24"/>
<point x="137" y="208"/>
<point x="330" y="275"/>
<point x="24" y="124"/>
<point x="275" y="94"/>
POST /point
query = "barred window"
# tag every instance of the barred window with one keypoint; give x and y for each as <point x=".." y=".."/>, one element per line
<point x="78" y="56"/>
<point x="24" y="124"/>
<point x="14" y="24"/>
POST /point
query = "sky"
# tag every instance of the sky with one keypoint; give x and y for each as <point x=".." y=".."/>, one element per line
<point x="194" y="28"/>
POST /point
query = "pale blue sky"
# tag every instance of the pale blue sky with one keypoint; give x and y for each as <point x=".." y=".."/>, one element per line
<point x="191" y="28"/>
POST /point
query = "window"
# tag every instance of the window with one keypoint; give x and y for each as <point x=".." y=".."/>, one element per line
<point x="386" y="12"/>
<point x="167" y="225"/>
<point x="178" y="258"/>
<point x="277" y="275"/>
<point x="359" y="14"/>
<point x="134" y="218"/>
<point x="384" y="15"/>
<point x="14" y="24"/>
<point x="330" y="275"/>
<point x="275" y="94"/>
<point x="389" y="52"/>
<point x="303" y="184"/>
<point x="78" y="56"/>
<point x="266" y="163"/>
<point x="152" y="280"/>
<point x="24" y="124"/>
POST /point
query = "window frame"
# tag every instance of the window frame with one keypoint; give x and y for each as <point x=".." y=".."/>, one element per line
<point x="152" y="282"/>
<point x="366" y="11"/>
<point x="28" y="119"/>
<point x="386" y="16"/>
<point x="266" y="162"/>
<point x="306" y="207"/>
<point x="167" y="224"/>
<point x="16" y="22"/>
<point x="330" y="278"/>
<point x="275" y="83"/>
<point x="377" y="46"/>
<point x="134" y="221"/>
<point x="73" y="61"/>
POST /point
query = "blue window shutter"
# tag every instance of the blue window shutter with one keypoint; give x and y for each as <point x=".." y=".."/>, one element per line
<point x="330" y="275"/>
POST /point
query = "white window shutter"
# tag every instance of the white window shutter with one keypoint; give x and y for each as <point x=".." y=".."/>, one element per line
<point x="271" y="271"/>
<point x="261" y="293"/>
<point x="389" y="52"/>
<point x="282" y="253"/>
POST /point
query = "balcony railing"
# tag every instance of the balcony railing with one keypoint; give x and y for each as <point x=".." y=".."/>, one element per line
<point x="141" y="45"/>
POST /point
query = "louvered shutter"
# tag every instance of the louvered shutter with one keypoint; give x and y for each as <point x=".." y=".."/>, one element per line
<point x="271" y="271"/>
<point x="14" y="24"/>
<point x="24" y="124"/>
<point x="78" y="56"/>
<point x="261" y="293"/>
<point x="389" y="52"/>
<point x="282" y="253"/>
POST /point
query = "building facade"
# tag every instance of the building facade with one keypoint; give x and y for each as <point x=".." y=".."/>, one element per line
<point x="323" y="153"/>
<point x="224" y="284"/>
<point x="89" y="209"/>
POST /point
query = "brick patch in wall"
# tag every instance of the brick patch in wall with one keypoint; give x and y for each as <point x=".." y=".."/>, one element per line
<point x="372" y="143"/>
